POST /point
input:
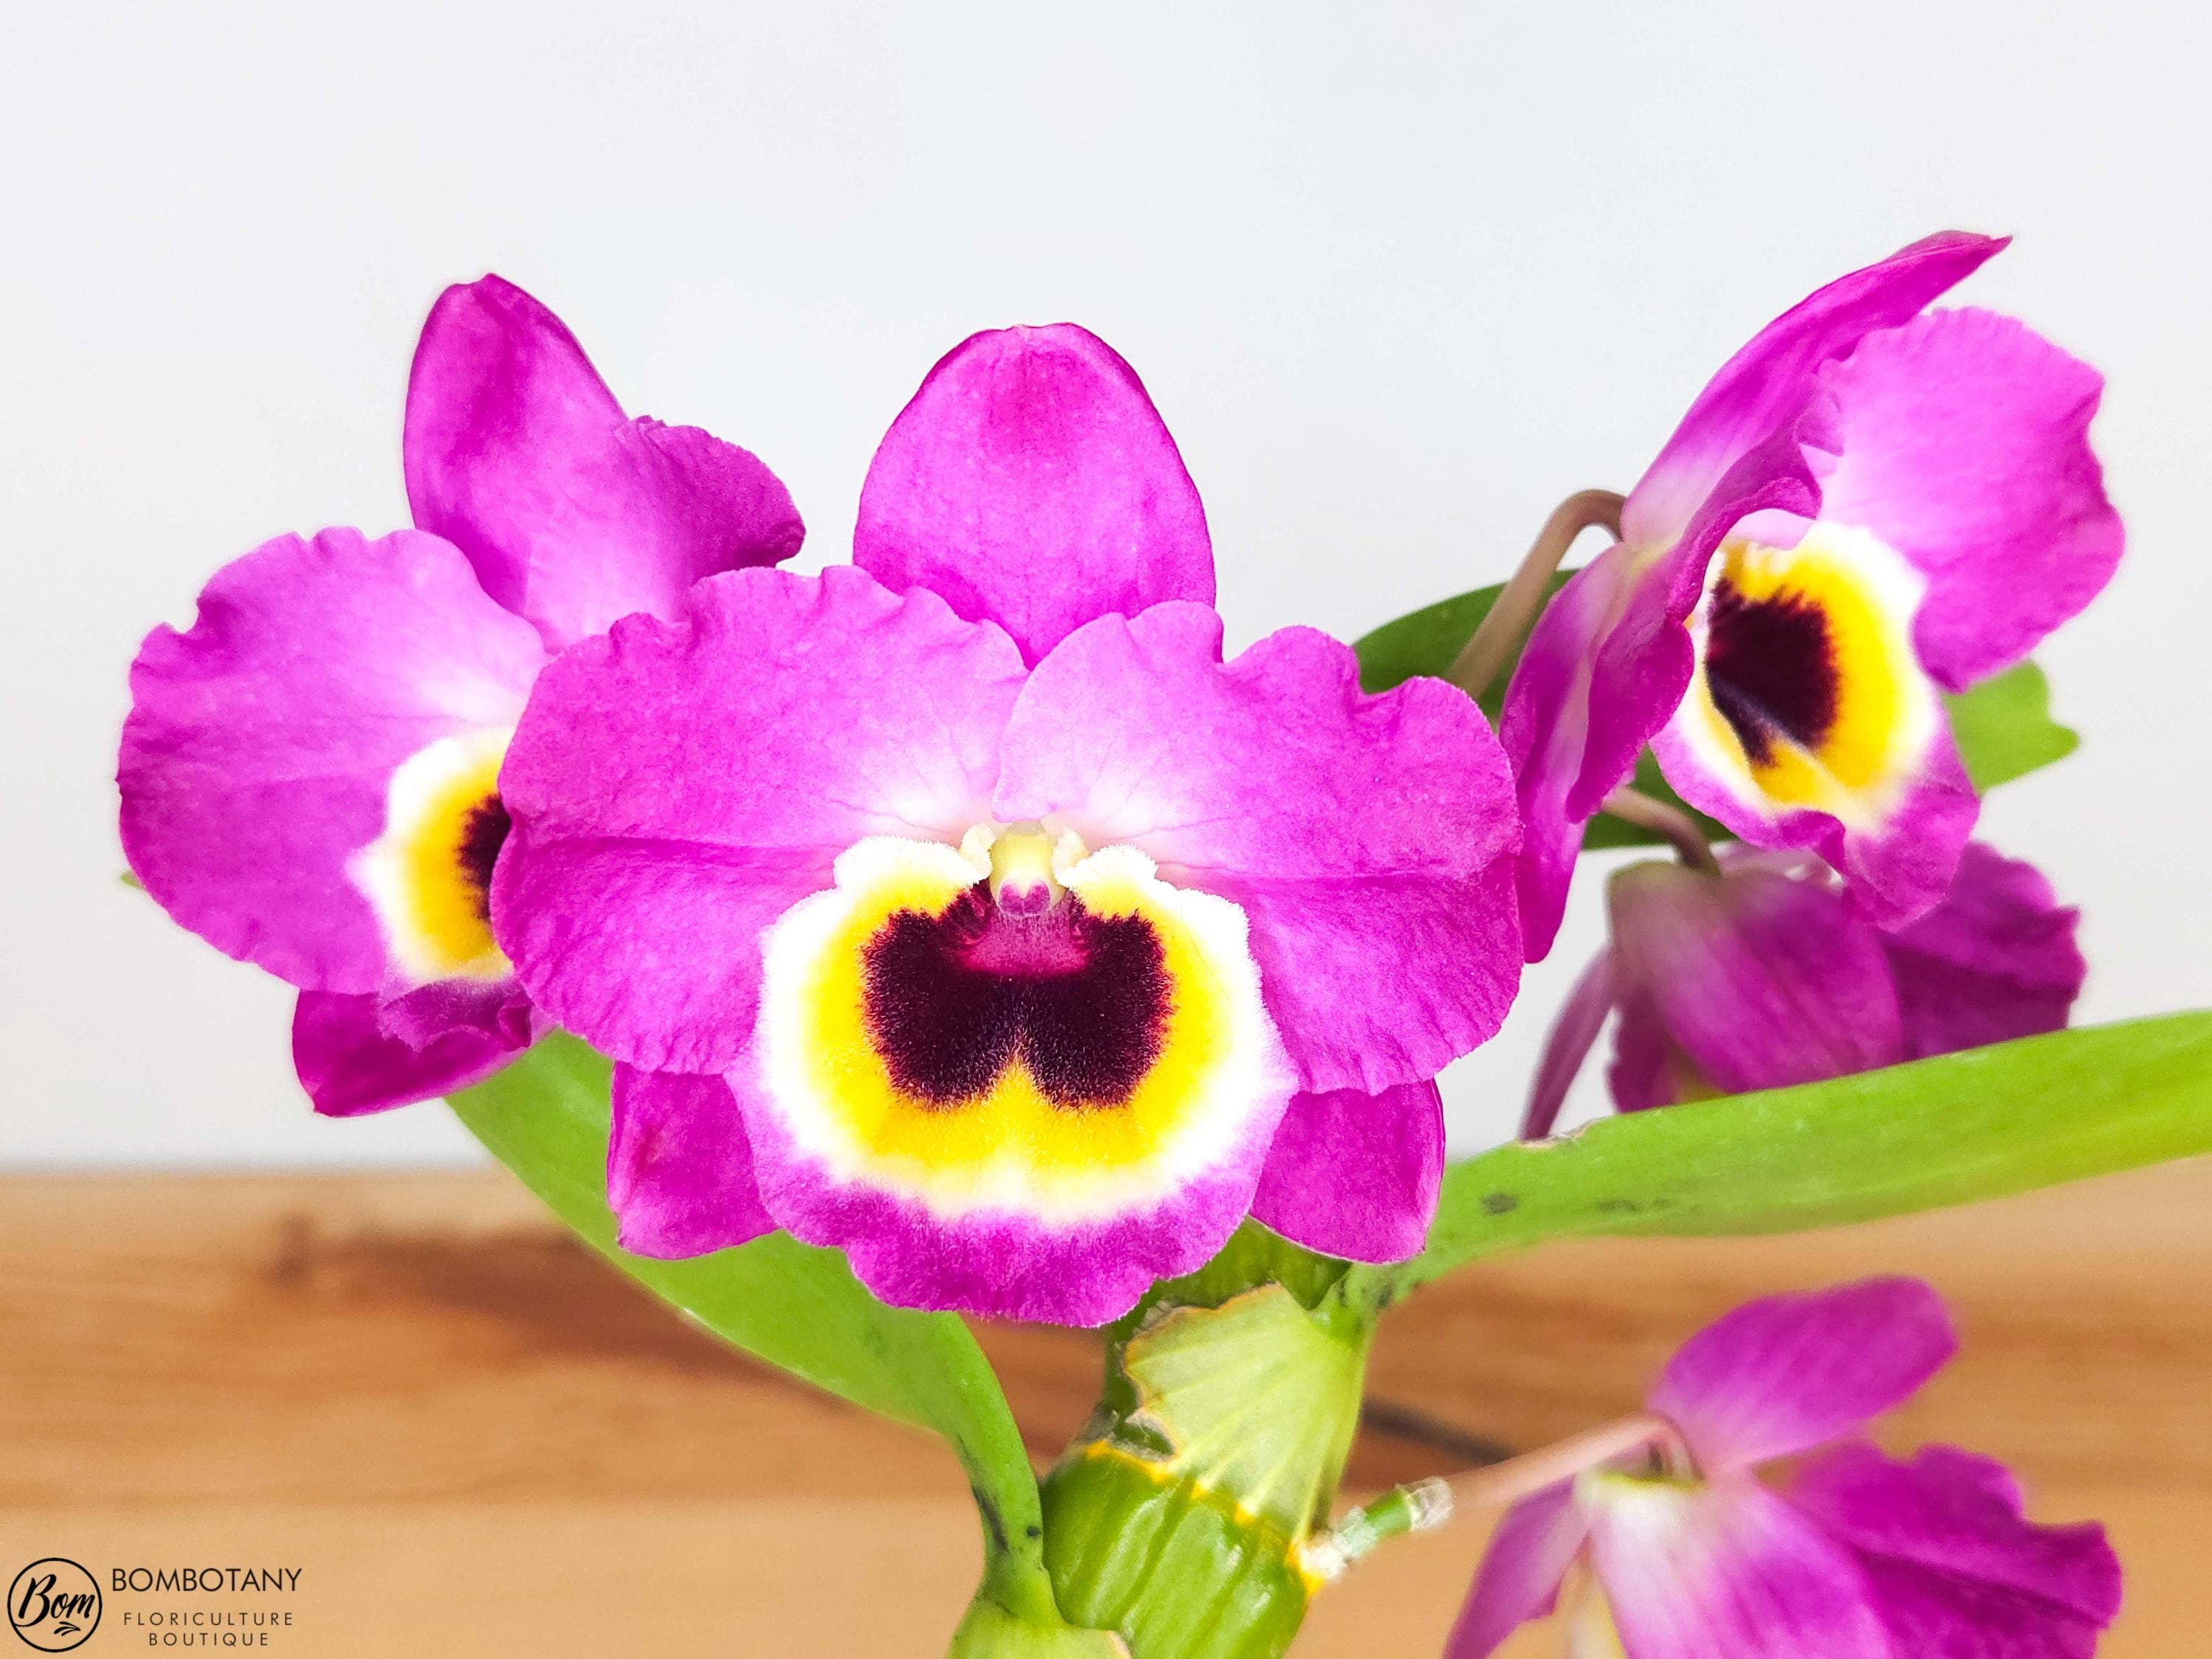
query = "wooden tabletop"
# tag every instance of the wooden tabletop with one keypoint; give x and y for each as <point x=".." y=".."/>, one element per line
<point x="473" y="1439"/>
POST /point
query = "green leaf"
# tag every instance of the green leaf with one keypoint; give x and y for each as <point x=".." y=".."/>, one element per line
<point x="2003" y="725"/>
<point x="1952" y="1130"/>
<point x="1425" y="641"/>
<point x="2004" y="729"/>
<point x="792" y="1304"/>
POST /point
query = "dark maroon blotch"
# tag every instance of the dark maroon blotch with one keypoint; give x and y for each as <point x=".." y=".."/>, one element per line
<point x="950" y="1001"/>
<point x="1770" y="666"/>
<point x="484" y="832"/>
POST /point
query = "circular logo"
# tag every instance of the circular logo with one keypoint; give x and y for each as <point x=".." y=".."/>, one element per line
<point x="53" y="1604"/>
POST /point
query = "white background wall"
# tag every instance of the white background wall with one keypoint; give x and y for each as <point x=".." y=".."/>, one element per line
<point x="1399" y="277"/>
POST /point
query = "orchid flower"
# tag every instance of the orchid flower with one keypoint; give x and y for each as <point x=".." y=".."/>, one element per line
<point x="964" y="909"/>
<point x="309" y="773"/>
<point x="1680" y="1551"/>
<point x="1765" y="973"/>
<point x="1869" y="505"/>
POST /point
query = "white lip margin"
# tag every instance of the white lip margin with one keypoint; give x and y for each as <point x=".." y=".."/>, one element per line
<point x="1255" y="1075"/>
<point x="1897" y="590"/>
<point x="379" y="869"/>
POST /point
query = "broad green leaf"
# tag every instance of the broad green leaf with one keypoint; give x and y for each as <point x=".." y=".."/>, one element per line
<point x="2004" y="729"/>
<point x="2003" y="725"/>
<point x="546" y="1118"/>
<point x="1982" y="1124"/>
<point x="1425" y="641"/>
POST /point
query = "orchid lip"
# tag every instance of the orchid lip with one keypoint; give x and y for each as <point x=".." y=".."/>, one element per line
<point x="1809" y="693"/>
<point x="428" y="877"/>
<point x="1001" y="1025"/>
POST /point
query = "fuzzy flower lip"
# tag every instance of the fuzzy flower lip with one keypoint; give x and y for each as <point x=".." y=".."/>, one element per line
<point x="1854" y="1555"/>
<point x="1009" y="919"/>
<point x="309" y="773"/>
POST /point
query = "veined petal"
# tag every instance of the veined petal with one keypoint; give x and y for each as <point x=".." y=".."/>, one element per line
<point x="1757" y="979"/>
<point x="1521" y="1571"/>
<point x="573" y="515"/>
<point x="1021" y="1111"/>
<point x="679" y="1170"/>
<point x="1768" y="383"/>
<point x="1368" y="841"/>
<point x="351" y="1062"/>
<point x="1355" y="1175"/>
<point x="1996" y="960"/>
<point x="1788" y="1373"/>
<point x="1031" y="483"/>
<point x="1955" y="1567"/>
<point x="1965" y="447"/>
<point x="676" y="787"/>
<point x="1810" y="722"/>
<point x="1725" y="1570"/>
<point x="259" y="760"/>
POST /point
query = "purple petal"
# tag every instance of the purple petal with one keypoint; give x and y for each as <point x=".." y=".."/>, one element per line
<point x="1788" y="1373"/>
<point x="679" y="1169"/>
<point x="1725" y="1570"/>
<point x="996" y="1263"/>
<point x="1956" y="1568"/>
<point x="419" y="1015"/>
<point x="518" y="453"/>
<point x="1965" y="447"/>
<point x="1769" y="382"/>
<point x="1544" y="727"/>
<point x="1520" y="1572"/>
<point x="1758" y="979"/>
<point x="1369" y="841"/>
<point x="1356" y="1174"/>
<point x="260" y="743"/>
<point x="1575" y="1028"/>
<point x="676" y="787"/>
<point x="1032" y="484"/>
<point x="1996" y="960"/>
<point x="1896" y="867"/>
<point x="350" y="1063"/>
<point x="1647" y="1069"/>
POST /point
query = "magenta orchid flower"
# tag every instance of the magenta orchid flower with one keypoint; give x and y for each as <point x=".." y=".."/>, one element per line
<point x="1690" y="1555"/>
<point x="965" y="911"/>
<point x="1869" y="506"/>
<point x="1767" y="975"/>
<point x="309" y="774"/>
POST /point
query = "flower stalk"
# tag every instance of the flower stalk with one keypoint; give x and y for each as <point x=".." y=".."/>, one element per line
<point x="1500" y="632"/>
<point x="1673" y="825"/>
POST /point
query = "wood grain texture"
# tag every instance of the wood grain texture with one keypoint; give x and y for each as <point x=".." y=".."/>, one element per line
<point x="474" y="1439"/>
